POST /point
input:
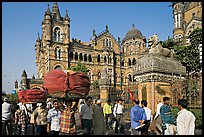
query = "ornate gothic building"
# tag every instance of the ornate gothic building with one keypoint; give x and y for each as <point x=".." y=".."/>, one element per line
<point x="187" y="17"/>
<point x="55" y="49"/>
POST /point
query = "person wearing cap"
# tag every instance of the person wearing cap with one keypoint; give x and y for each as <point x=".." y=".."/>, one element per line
<point x="98" y="119"/>
<point x="6" y="117"/>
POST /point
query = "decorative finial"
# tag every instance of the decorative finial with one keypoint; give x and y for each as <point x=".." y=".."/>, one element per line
<point x="106" y="27"/>
<point x="94" y="32"/>
<point x="133" y="25"/>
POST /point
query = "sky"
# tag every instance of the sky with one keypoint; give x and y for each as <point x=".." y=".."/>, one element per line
<point x="21" y="23"/>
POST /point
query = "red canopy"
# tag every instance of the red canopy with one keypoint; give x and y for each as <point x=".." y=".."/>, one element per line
<point x="32" y="96"/>
<point x="60" y="84"/>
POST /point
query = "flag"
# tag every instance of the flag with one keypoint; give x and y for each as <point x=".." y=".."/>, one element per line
<point x="131" y="94"/>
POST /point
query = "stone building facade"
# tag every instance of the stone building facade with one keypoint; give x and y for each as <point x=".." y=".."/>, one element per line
<point x="187" y="17"/>
<point x="55" y="49"/>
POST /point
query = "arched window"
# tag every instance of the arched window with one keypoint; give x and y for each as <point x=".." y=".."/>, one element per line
<point x="105" y="59"/>
<point x="98" y="59"/>
<point x="99" y="75"/>
<point x="58" y="67"/>
<point x="80" y="56"/>
<point x="85" y="57"/>
<point x="122" y="63"/>
<point x="89" y="58"/>
<point x="76" y="56"/>
<point x="133" y="61"/>
<point x="110" y="44"/>
<point x="130" y="78"/>
<point x="110" y="60"/>
<point x="57" y="34"/>
<point x="71" y="55"/>
<point x="129" y="62"/>
<point x="115" y="61"/>
<point x="57" y="53"/>
<point x="106" y="42"/>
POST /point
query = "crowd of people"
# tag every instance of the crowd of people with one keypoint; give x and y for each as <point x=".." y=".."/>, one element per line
<point x="58" y="118"/>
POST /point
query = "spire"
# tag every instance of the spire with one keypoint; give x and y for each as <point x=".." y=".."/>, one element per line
<point x="55" y="11"/>
<point x="33" y="77"/>
<point x="66" y="16"/>
<point x="16" y="84"/>
<point x="106" y="27"/>
<point x="133" y="25"/>
<point x="24" y="74"/>
<point x="48" y="10"/>
<point x="94" y="33"/>
<point x="38" y="39"/>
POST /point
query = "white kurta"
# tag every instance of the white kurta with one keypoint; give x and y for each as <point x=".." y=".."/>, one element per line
<point x="185" y="123"/>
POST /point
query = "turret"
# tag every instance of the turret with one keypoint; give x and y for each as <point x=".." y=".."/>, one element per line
<point x="67" y="27"/>
<point x="178" y="15"/>
<point x="56" y="13"/>
<point x="47" y="22"/>
<point x="24" y="80"/>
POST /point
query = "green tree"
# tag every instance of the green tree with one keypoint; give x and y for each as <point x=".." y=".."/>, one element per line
<point x="189" y="55"/>
<point x="95" y="85"/>
<point x="80" y="67"/>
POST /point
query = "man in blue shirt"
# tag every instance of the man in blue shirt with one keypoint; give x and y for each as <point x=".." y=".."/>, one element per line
<point x="137" y="117"/>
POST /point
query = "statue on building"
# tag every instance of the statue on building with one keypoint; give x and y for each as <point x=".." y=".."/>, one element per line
<point x="157" y="49"/>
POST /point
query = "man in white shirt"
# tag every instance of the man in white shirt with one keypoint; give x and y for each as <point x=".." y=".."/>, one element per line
<point x="118" y="112"/>
<point x="53" y="119"/>
<point x="158" y="117"/>
<point x="185" y="119"/>
<point x="86" y="116"/>
<point x="148" y="112"/>
<point x="6" y="117"/>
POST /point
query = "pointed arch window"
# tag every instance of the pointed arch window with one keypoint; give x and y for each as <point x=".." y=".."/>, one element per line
<point x="105" y="59"/>
<point x="58" y="67"/>
<point x="99" y="75"/>
<point x="122" y="63"/>
<point x="106" y="42"/>
<point x="129" y="62"/>
<point x="89" y="58"/>
<point x="85" y="57"/>
<point x="133" y="61"/>
<point x="57" y="53"/>
<point x="98" y="59"/>
<point x="76" y="56"/>
<point x="80" y="56"/>
<point x="57" y="34"/>
<point x="130" y="78"/>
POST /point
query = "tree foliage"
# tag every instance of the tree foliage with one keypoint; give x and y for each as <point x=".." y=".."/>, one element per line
<point x="80" y="67"/>
<point x="95" y="85"/>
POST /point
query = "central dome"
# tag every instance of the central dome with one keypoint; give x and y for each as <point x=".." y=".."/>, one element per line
<point x="133" y="33"/>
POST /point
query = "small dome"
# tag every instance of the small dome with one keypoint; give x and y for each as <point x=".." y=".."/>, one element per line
<point x="133" y="33"/>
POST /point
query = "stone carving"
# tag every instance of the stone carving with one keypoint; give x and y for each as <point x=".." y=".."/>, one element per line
<point x="157" y="49"/>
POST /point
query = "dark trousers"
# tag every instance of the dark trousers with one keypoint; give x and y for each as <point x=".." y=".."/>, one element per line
<point x="21" y="129"/>
<point x="87" y="126"/>
<point x="54" y="133"/>
<point x="119" y="123"/>
<point x="144" y="130"/>
<point x="109" y="124"/>
<point x="7" y="127"/>
<point x="41" y="129"/>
